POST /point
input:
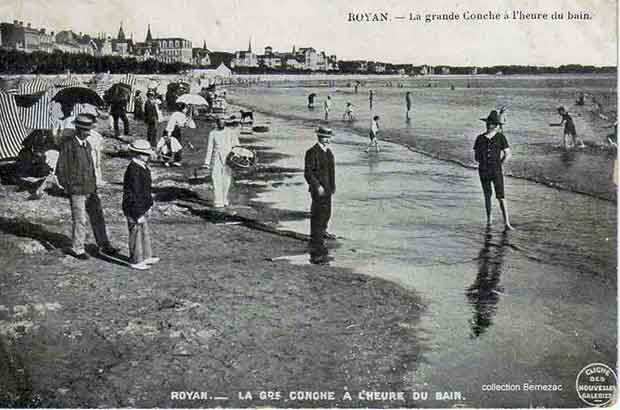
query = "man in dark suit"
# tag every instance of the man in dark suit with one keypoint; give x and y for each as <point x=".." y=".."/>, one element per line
<point x="118" y="111"/>
<point x="75" y="171"/>
<point x="319" y="173"/>
<point x="151" y="117"/>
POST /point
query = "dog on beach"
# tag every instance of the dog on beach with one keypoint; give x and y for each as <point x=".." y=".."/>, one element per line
<point x="247" y="115"/>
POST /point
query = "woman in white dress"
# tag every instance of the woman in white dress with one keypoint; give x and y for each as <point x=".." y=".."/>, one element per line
<point x="221" y="142"/>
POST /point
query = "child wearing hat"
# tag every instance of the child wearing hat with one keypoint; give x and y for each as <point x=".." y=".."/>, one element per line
<point x="137" y="201"/>
<point x="491" y="151"/>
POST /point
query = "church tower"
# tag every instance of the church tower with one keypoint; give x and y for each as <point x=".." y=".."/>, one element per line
<point x="149" y="37"/>
<point x="121" y="33"/>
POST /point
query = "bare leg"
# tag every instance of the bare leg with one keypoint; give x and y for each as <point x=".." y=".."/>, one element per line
<point x="487" y="206"/>
<point x="564" y="141"/>
<point x="504" y="208"/>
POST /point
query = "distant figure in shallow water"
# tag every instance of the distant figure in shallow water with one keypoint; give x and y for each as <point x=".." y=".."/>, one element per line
<point x="326" y="106"/>
<point x="311" y="100"/>
<point x="374" y="131"/>
<point x="569" y="129"/>
<point x="408" y="102"/>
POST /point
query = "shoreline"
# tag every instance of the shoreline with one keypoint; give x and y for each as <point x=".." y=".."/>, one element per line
<point x="394" y="137"/>
<point x="217" y="313"/>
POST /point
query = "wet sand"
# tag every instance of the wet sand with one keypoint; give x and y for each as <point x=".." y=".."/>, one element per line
<point x="170" y="330"/>
<point x="214" y="315"/>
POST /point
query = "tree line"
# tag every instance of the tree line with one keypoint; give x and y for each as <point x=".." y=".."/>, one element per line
<point x="58" y="62"/>
<point x="18" y="62"/>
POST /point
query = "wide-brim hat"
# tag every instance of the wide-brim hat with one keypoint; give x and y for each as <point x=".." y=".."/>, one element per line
<point x="324" y="132"/>
<point x="84" y="121"/>
<point x="493" y="118"/>
<point x="141" y="147"/>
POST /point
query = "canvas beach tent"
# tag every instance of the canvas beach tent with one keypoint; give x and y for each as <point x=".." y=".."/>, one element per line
<point x="33" y="101"/>
<point x="70" y="81"/>
<point x="130" y="80"/>
<point x="12" y="131"/>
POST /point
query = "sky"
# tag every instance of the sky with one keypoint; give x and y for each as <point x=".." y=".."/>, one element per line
<point x="227" y="25"/>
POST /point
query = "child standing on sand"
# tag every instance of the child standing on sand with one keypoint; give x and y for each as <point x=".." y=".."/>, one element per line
<point x="137" y="201"/>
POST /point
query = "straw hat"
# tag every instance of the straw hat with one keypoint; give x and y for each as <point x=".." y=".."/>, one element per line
<point x="324" y="132"/>
<point x="84" y="121"/>
<point x="141" y="147"/>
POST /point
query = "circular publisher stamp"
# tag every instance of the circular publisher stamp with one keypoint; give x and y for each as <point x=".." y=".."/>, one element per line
<point x="597" y="384"/>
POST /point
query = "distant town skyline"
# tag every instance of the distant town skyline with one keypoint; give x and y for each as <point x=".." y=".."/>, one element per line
<point x="325" y="25"/>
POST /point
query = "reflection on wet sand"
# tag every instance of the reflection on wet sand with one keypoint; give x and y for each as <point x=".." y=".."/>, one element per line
<point x="484" y="293"/>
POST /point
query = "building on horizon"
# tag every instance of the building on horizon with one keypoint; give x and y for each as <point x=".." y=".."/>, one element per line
<point x="73" y="43"/>
<point x="245" y="58"/>
<point x="269" y="59"/>
<point x="174" y="50"/>
<point x="200" y="55"/>
<point x="18" y="36"/>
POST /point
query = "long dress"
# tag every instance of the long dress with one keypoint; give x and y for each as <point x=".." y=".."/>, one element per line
<point x="219" y="146"/>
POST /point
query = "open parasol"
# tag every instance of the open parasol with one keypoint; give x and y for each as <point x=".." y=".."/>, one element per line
<point x="78" y="95"/>
<point x="194" y="99"/>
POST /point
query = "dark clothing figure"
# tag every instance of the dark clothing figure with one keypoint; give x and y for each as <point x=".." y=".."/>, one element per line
<point x="569" y="125"/>
<point x="151" y="118"/>
<point x="319" y="172"/>
<point x="75" y="169"/>
<point x="137" y="198"/>
<point x="138" y="111"/>
<point x="488" y="155"/>
<point x="117" y="110"/>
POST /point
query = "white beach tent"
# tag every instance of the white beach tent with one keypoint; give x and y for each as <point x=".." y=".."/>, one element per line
<point x="220" y="71"/>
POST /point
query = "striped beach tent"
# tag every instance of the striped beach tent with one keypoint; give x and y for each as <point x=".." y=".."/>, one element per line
<point x="102" y="86"/>
<point x="68" y="82"/>
<point x="37" y="115"/>
<point x="12" y="131"/>
<point x="130" y="80"/>
<point x="33" y="86"/>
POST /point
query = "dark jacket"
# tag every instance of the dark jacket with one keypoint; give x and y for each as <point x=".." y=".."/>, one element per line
<point x="150" y="112"/>
<point x="138" y="108"/>
<point x="319" y="170"/>
<point x="75" y="169"/>
<point x="488" y="154"/>
<point x="137" y="197"/>
<point x="118" y="107"/>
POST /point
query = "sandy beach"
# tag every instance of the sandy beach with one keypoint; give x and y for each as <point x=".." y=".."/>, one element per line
<point x="418" y="287"/>
<point x="209" y="316"/>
